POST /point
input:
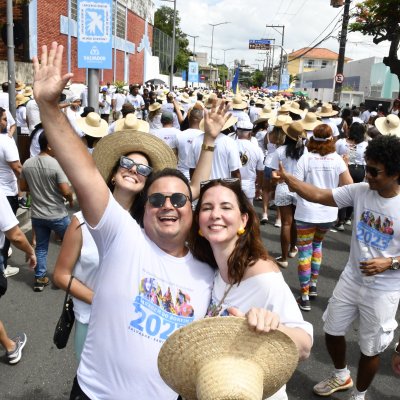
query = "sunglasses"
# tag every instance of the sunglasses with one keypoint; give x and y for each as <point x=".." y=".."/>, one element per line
<point x="178" y="200"/>
<point x="141" y="169"/>
<point x="374" y="172"/>
<point x="223" y="180"/>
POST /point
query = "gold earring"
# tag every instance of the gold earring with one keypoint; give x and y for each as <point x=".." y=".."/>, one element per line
<point x="113" y="181"/>
<point x="200" y="233"/>
<point x="241" y="231"/>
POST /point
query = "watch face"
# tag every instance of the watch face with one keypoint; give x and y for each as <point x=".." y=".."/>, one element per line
<point x="395" y="264"/>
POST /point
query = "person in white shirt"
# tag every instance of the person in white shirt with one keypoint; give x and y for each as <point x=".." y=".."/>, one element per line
<point x="118" y="99"/>
<point x="4" y="96"/>
<point x="22" y="125"/>
<point x="136" y="100"/>
<point x="32" y="114"/>
<point x="325" y="114"/>
<point x="168" y="133"/>
<point x="74" y="110"/>
<point x="104" y="104"/>
<point x="368" y="290"/>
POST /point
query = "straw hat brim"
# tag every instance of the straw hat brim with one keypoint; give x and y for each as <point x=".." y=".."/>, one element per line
<point x="140" y="125"/>
<point x="230" y="122"/>
<point x="110" y="148"/>
<point x="240" y="106"/>
<point x="18" y="103"/>
<point x="309" y="126"/>
<point x="384" y="127"/>
<point x="327" y="114"/>
<point x="280" y="122"/>
<point x="94" y="131"/>
<point x="190" y="348"/>
<point x="264" y="117"/>
<point x="154" y="107"/>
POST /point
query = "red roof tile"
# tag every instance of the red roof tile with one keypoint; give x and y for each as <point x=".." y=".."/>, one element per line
<point x="317" y="53"/>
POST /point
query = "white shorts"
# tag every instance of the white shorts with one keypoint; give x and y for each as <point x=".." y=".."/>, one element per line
<point x="376" y="310"/>
<point x="283" y="197"/>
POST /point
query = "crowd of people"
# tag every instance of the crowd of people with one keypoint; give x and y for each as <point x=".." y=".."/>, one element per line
<point x="166" y="182"/>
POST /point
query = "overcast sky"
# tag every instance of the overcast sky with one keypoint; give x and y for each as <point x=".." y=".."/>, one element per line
<point x="304" y="21"/>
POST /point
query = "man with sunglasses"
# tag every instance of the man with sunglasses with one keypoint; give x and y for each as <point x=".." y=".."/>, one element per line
<point x="374" y="300"/>
<point x="149" y="284"/>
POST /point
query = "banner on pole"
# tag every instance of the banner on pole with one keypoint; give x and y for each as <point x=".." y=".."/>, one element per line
<point x="193" y="72"/>
<point x="95" y="34"/>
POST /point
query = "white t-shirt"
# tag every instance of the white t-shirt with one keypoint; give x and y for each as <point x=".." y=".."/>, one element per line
<point x="142" y="296"/>
<point x="376" y="226"/>
<point x="289" y="163"/>
<point x="155" y="123"/>
<point x="32" y="114"/>
<point x="8" y="153"/>
<point x="332" y="124"/>
<point x="252" y="161"/>
<point x="240" y="115"/>
<point x="106" y="101"/>
<point x="355" y="151"/>
<point x="323" y="172"/>
<point x="260" y="135"/>
<point x="226" y="156"/>
<point x="268" y="290"/>
<point x="183" y="142"/>
<point x="4" y="100"/>
<point x="86" y="269"/>
<point x="7" y="218"/>
<point x="254" y="113"/>
<point x="137" y="102"/>
<point x="168" y="135"/>
<point x="120" y="99"/>
<point x="20" y="116"/>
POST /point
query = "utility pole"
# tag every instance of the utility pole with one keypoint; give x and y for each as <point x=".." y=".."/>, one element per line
<point x="342" y="50"/>
<point x="283" y="39"/>
<point x="10" y="59"/>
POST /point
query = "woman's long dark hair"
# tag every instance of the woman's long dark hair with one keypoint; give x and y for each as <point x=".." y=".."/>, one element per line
<point x="293" y="150"/>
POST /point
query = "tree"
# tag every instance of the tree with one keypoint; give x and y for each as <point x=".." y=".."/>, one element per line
<point x="164" y="21"/>
<point x="380" y="19"/>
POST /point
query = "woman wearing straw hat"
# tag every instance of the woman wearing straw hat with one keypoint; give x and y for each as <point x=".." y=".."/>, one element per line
<point x="154" y="117"/>
<point x="324" y="168"/>
<point x="22" y="124"/>
<point x="226" y="235"/>
<point x="288" y="154"/>
<point x="93" y="128"/>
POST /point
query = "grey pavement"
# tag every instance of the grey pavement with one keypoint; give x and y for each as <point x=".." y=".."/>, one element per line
<point x="45" y="372"/>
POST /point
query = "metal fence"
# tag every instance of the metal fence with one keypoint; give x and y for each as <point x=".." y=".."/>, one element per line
<point x="162" y="47"/>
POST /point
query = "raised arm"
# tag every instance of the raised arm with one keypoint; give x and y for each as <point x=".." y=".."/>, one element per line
<point x="91" y="190"/>
<point x="214" y="121"/>
<point x="306" y="190"/>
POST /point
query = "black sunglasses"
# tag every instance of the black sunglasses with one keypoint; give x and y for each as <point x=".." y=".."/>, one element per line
<point x="178" y="200"/>
<point x="374" y="172"/>
<point x="141" y="169"/>
<point x="224" y="180"/>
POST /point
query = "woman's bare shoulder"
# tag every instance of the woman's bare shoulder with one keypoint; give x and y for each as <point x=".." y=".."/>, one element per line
<point x="262" y="267"/>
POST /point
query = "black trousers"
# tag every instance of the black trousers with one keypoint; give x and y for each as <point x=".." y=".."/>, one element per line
<point x="76" y="392"/>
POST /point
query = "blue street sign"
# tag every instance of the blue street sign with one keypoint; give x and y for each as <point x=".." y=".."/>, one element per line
<point x="94" y="34"/>
<point x="193" y="72"/>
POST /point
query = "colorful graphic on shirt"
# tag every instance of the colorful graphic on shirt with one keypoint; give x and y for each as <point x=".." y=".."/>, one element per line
<point x="244" y="158"/>
<point x="375" y="230"/>
<point x="159" y="312"/>
<point x="213" y="309"/>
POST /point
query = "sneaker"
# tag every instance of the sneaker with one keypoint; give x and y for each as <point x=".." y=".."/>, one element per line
<point x="10" y="271"/>
<point x="281" y="263"/>
<point x="331" y="385"/>
<point x="40" y="283"/>
<point x="304" y="304"/>
<point x="9" y="254"/>
<point x="23" y="203"/>
<point x="20" y="342"/>
<point x="293" y="254"/>
<point x="264" y="219"/>
<point x="339" y="227"/>
<point x="278" y="223"/>
<point x="312" y="292"/>
<point x="347" y="222"/>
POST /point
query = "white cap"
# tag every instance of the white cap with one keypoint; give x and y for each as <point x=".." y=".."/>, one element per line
<point x="244" y="125"/>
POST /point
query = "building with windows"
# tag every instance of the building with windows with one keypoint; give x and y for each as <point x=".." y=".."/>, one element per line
<point x="39" y="22"/>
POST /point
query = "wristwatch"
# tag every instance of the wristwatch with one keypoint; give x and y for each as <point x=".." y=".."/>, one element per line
<point x="207" y="148"/>
<point x="395" y="265"/>
<point x="396" y="350"/>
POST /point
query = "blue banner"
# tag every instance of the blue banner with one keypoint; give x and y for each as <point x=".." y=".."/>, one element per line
<point x="95" y="34"/>
<point x="193" y="72"/>
<point x="235" y="82"/>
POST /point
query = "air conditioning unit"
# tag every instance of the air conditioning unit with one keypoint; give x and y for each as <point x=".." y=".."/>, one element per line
<point x="337" y="3"/>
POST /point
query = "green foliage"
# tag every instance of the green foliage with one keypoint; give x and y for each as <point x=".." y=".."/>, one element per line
<point x="164" y="21"/>
<point x="257" y="78"/>
<point x="119" y="84"/>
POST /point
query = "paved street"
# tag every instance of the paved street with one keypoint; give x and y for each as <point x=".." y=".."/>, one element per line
<point x="47" y="373"/>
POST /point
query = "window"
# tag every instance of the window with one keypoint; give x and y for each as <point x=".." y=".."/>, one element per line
<point x="121" y="20"/>
<point x="324" y="63"/>
<point x="309" y="63"/>
<point x="74" y="10"/>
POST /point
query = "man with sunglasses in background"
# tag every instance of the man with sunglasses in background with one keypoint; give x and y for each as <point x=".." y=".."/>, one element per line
<point x="368" y="289"/>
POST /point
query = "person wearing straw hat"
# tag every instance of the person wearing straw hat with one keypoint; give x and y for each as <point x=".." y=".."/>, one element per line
<point x="325" y="114"/>
<point x="239" y="107"/>
<point x="150" y="275"/>
<point x="154" y="117"/>
<point x="226" y="235"/>
<point x="130" y="122"/>
<point x="19" y="87"/>
<point x="309" y="122"/>
<point x="93" y="128"/>
<point x="20" y="117"/>
<point x="368" y="289"/>
<point x="289" y="154"/>
<point x="389" y="125"/>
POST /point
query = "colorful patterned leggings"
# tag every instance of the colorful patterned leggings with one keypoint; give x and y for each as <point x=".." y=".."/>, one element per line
<point x="309" y="243"/>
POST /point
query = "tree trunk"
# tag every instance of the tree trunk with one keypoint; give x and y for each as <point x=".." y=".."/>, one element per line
<point x="392" y="60"/>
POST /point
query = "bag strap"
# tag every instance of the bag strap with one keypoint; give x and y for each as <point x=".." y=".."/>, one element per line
<point x="67" y="292"/>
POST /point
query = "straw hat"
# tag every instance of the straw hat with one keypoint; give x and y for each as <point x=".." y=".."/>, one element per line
<point x="238" y="103"/>
<point x="93" y="125"/>
<point x="162" y="97"/>
<point x="21" y="99"/>
<point x="388" y="125"/>
<point x="310" y="121"/>
<point x="185" y="98"/>
<point x="155" y="106"/>
<point x="294" y="130"/>
<point x="28" y="92"/>
<point x="231" y="121"/>
<point x="209" y="101"/>
<point x="284" y="109"/>
<point x="265" y="115"/>
<point x="326" y="111"/>
<point x="280" y="120"/>
<point x="221" y="358"/>
<point x="295" y="108"/>
<point x="111" y="147"/>
<point x="19" y="85"/>
<point x="131" y="122"/>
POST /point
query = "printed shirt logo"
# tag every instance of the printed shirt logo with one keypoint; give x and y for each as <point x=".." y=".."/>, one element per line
<point x="375" y="231"/>
<point x="158" y="313"/>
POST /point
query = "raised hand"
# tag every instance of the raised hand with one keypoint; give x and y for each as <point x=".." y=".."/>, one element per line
<point x="48" y="79"/>
<point x="215" y="119"/>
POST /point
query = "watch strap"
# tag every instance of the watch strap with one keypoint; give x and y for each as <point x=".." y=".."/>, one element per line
<point x="207" y="148"/>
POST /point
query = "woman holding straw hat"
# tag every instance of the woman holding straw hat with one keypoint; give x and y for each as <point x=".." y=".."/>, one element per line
<point x="125" y="159"/>
<point x="226" y="235"/>
<point x="154" y="117"/>
<point x="291" y="151"/>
